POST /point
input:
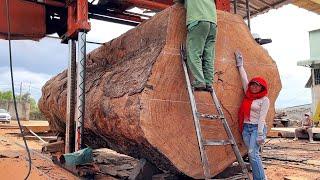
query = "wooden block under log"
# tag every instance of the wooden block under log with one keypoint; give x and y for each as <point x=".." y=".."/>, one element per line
<point x="53" y="147"/>
<point x="46" y="138"/>
<point x="136" y="96"/>
<point x="37" y="128"/>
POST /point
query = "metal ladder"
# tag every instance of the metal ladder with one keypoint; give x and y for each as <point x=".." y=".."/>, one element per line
<point x="201" y="141"/>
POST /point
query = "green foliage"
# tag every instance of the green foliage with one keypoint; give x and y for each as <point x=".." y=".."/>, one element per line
<point x="35" y="113"/>
<point x="27" y="98"/>
<point x="33" y="105"/>
<point x="6" y="95"/>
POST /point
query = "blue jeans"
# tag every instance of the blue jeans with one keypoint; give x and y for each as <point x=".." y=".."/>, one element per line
<point x="250" y="135"/>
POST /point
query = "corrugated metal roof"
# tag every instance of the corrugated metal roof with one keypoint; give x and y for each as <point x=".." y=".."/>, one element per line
<point x="311" y="5"/>
<point x="257" y="6"/>
<point x="262" y="6"/>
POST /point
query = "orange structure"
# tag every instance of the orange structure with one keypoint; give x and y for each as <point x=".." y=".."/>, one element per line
<point x="33" y="19"/>
<point x="27" y="20"/>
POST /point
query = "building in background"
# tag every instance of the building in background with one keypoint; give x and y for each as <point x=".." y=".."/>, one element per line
<point x="314" y="64"/>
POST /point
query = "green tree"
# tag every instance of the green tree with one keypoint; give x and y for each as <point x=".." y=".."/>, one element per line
<point x="6" y="95"/>
<point x="27" y="98"/>
<point x="35" y="113"/>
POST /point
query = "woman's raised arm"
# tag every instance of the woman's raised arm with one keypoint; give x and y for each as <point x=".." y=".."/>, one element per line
<point x="243" y="74"/>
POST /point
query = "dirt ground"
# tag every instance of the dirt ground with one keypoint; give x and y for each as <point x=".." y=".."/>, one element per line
<point x="282" y="158"/>
<point x="294" y="160"/>
<point x="13" y="157"/>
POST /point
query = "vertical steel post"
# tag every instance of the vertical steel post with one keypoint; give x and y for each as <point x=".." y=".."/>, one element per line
<point x="248" y="13"/>
<point x="81" y="71"/>
<point x="235" y="6"/>
<point x="69" y="141"/>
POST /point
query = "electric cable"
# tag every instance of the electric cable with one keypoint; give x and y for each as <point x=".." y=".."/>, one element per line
<point x="13" y="92"/>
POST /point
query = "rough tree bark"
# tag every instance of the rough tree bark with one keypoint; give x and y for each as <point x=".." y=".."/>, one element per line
<point x="136" y="96"/>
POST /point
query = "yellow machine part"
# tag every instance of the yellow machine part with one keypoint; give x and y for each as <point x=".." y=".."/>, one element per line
<point x="316" y="116"/>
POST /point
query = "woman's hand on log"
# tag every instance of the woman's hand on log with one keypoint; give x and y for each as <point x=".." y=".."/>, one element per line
<point x="239" y="58"/>
<point x="260" y="140"/>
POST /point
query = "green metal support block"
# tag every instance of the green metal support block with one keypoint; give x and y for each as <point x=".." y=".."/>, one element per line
<point x="76" y="158"/>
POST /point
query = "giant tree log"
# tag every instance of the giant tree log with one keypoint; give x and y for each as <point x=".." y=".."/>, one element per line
<point x="136" y="96"/>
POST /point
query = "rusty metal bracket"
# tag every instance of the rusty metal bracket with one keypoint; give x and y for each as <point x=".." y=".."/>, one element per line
<point x="77" y="19"/>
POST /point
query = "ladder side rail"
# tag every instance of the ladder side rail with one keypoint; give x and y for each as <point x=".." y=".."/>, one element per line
<point x="204" y="158"/>
<point x="229" y="133"/>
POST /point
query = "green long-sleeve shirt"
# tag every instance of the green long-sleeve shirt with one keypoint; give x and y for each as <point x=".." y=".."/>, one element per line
<point x="200" y="10"/>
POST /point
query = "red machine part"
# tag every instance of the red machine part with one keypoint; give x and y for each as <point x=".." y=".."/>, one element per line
<point x="27" y="20"/>
<point x="77" y="18"/>
<point x="223" y="5"/>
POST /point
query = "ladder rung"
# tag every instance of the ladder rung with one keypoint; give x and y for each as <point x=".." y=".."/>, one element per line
<point x="208" y="116"/>
<point x="217" y="142"/>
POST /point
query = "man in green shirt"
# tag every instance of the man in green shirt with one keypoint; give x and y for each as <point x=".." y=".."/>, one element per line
<point x="202" y="27"/>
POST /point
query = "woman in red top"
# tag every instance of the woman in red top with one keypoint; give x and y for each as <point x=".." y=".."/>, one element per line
<point x="252" y="115"/>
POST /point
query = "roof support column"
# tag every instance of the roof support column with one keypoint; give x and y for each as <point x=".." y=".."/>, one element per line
<point x="235" y="6"/>
<point x="248" y="13"/>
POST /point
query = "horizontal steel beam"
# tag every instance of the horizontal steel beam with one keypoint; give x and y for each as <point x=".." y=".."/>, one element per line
<point x="148" y="4"/>
<point x="112" y="19"/>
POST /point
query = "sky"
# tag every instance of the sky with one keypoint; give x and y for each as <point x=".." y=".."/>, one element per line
<point x="289" y="27"/>
<point x="36" y="62"/>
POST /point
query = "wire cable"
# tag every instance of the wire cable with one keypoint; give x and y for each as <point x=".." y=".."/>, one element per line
<point x="13" y="91"/>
